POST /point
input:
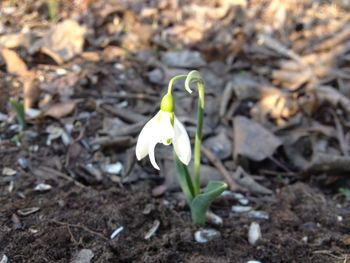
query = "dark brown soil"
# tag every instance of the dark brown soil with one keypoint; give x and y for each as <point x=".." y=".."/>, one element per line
<point x="72" y="217"/>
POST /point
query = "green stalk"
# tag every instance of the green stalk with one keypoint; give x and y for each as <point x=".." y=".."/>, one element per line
<point x="53" y="9"/>
<point x="198" y="139"/>
<point x="171" y="82"/>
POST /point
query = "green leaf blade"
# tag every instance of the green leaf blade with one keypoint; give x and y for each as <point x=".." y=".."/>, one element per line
<point x="20" y="113"/>
<point x="201" y="203"/>
<point x="185" y="179"/>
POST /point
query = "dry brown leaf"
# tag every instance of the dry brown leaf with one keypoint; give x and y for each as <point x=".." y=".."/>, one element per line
<point x="247" y="181"/>
<point x="111" y="53"/>
<point x="252" y="140"/>
<point x="326" y="162"/>
<point x="278" y="106"/>
<point x="60" y="110"/>
<point x="62" y="42"/>
<point x="14" y="64"/>
<point x="183" y="59"/>
<point x="335" y="40"/>
<point x="31" y="92"/>
<point x="275" y="45"/>
<point x="91" y="56"/>
<point x="332" y="96"/>
<point x="16" y="40"/>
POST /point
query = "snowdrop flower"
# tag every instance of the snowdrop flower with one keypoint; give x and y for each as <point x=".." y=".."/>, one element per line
<point x="164" y="128"/>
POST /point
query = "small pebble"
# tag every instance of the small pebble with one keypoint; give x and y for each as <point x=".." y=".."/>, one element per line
<point x="28" y="211"/>
<point x="61" y="71"/>
<point x="253" y="261"/>
<point x="148" y="209"/>
<point x="241" y="209"/>
<point x="23" y="162"/>
<point x="33" y="230"/>
<point x="34" y="148"/>
<point x="8" y="171"/>
<point x="3" y="117"/>
<point x="205" y="235"/>
<point x="119" y="66"/>
<point x="42" y="187"/>
<point x="243" y="201"/>
<point x="254" y="233"/>
<point x="76" y="68"/>
<point x="84" y="256"/>
<point x="241" y="198"/>
<point x="33" y="113"/>
<point x="4" y="259"/>
<point x="53" y="134"/>
<point x="113" y="168"/>
<point x="123" y="104"/>
<point x="65" y="139"/>
<point x="213" y="218"/>
<point x="11" y="186"/>
<point x="340" y="218"/>
<point x="153" y="229"/>
<point x="305" y="239"/>
<point x="159" y="190"/>
<point x="14" y="127"/>
<point x="116" y="232"/>
<point x="258" y="215"/>
<point x="226" y="193"/>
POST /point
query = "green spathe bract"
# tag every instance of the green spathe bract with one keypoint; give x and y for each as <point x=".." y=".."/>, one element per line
<point x="167" y="103"/>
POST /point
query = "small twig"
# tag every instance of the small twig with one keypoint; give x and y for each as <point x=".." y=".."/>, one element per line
<point x="139" y="96"/>
<point x="82" y="227"/>
<point x="279" y="164"/>
<point x="44" y="169"/>
<point x="71" y="235"/>
<point x="109" y="141"/>
<point x="275" y="173"/>
<point x="219" y="165"/>
<point x="340" y="135"/>
<point x="278" y="47"/>
<point x="328" y="253"/>
<point x="225" y="98"/>
<point x="132" y="129"/>
<point x="123" y="114"/>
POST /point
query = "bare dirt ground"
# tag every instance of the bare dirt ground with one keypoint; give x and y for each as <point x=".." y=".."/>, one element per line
<point x="276" y="122"/>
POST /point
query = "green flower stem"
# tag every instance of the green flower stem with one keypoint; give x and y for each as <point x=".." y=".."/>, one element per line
<point x="171" y="82"/>
<point x="198" y="139"/>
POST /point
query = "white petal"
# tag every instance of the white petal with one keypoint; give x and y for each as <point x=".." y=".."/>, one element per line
<point x="166" y="129"/>
<point x="146" y="135"/>
<point x="181" y="142"/>
<point x="151" y="147"/>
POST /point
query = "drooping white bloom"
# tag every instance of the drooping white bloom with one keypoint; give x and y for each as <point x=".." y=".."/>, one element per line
<point x="163" y="128"/>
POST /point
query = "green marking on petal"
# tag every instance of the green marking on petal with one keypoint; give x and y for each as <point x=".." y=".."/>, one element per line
<point x="167" y="141"/>
<point x="172" y="119"/>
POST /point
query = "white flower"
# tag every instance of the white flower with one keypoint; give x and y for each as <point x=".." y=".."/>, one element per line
<point x="163" y="128"/>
